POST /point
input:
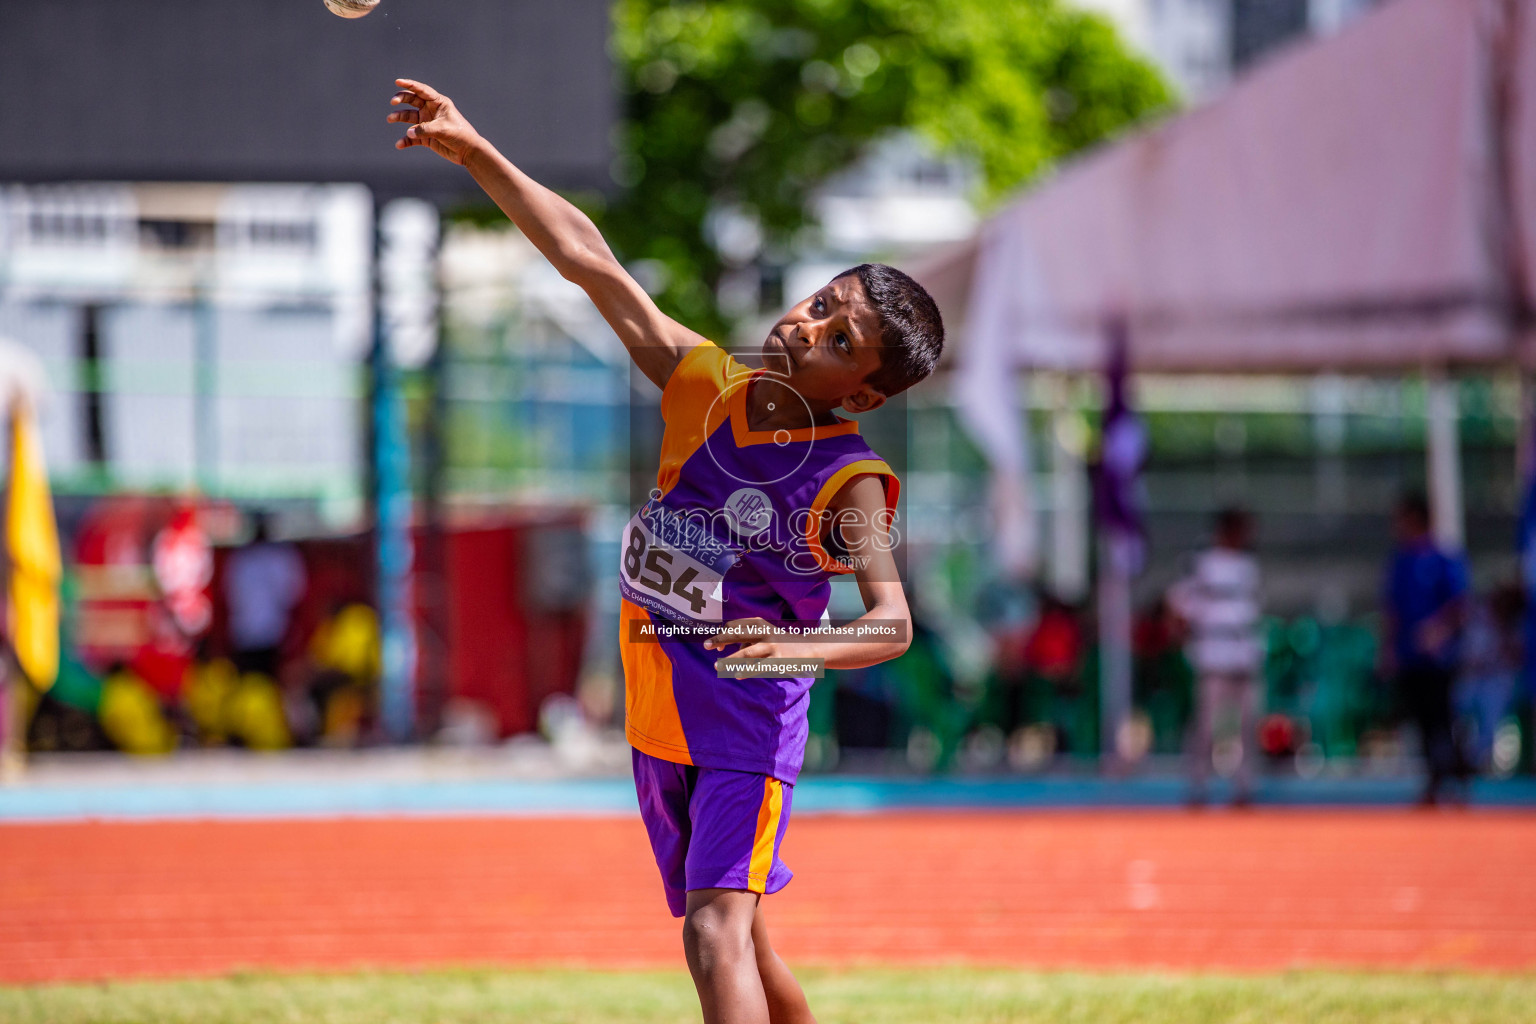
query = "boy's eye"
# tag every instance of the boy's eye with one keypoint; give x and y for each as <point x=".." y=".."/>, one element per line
<point x="844" y="343"/>
<point x="817" y="305"/>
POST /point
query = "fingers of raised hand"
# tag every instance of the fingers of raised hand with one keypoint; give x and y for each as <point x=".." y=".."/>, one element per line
<point x="424" y="134"/>
<point x="421" y="89"/>
<point x="416" y="135"/>
<point x="405" y="116"/>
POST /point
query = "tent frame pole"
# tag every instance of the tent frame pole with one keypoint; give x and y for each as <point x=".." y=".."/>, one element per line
<point x="1115" y="667"/>
<point x="1443" y="453"/>
<point x="1070" y="528"/>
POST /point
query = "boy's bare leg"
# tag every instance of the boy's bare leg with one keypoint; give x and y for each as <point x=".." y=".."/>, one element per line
<point x="786" y="1002"/>
<point x="717" y="938"/>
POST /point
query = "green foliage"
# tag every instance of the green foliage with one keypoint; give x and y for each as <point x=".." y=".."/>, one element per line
<point x="752" y="103"/>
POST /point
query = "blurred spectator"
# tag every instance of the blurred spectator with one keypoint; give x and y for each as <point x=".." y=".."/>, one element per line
<point x="1052" y="687"/>
<point x="205" y="698"/>
<point x="226" y="707"/>
<point x="925" y="682"/>
<point x="1219" y="604"/>
<point x="262" y="584"/>
<point x="862" y="709"/>
<point x="133" y="717"/>
<point x="1491" y="658"/>
<point x="1425" y="605"/>
<point x="1163" y="687"/>
<point x="1054" y="650"/>
<point x="182" y="560"/>
<point x="1008" y="611"/>
<point x="345" y="653"/>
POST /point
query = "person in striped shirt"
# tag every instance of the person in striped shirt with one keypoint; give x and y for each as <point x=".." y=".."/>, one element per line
<point x="1218" y="603"/>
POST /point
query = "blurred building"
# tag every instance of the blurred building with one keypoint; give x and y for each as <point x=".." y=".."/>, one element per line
<point x="900" y="197"/>
<point x="1201" y="44"/>
<point x="195" y="336"/>
<point x="536" y="385"/>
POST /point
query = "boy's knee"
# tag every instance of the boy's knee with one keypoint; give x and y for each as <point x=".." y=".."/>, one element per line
<point x="712" y="934"/>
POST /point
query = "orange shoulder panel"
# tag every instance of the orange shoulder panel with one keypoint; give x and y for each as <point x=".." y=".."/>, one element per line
<point x="693" y="406"/>
<point x="835" y="482"/>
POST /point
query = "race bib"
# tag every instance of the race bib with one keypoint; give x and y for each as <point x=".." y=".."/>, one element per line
<point x="671" y="564"/>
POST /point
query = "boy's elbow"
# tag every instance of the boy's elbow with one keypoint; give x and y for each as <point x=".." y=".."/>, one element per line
<point x="900" y="646"/>
<point x="582" y="266"/>
<point x="574" y="265"/>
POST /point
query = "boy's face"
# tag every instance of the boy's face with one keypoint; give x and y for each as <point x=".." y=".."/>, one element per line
<point x="827" y="345"/>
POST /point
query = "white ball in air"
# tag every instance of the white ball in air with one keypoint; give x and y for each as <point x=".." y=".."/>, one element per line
<point x="351" y="8"/>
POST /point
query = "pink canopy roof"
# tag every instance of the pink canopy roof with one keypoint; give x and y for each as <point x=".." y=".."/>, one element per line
<point x="1366" y="201"/>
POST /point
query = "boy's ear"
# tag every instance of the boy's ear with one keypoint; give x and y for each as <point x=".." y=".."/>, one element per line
<point x="865" y="399"/>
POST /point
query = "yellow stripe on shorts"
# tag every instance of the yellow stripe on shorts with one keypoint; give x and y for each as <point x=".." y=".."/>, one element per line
<point x="767" y="831"/>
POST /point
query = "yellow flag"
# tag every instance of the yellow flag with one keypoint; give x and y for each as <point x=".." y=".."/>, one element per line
<point x="32" y="538"/>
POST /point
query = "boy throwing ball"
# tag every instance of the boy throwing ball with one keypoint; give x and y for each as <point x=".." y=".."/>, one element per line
<point x="764" y="494"/>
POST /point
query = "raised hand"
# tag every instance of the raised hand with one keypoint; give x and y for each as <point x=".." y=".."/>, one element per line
<point x="566" y="236"/>
<point x="435" y="122"/>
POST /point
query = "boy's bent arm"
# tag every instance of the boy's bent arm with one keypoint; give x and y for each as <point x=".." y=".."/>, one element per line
<point x="859" y="509"/>
<point x="566" y="236"/>
<point x="859" y="512"/>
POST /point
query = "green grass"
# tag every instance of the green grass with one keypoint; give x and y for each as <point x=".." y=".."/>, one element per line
<point x="924" y="996"/>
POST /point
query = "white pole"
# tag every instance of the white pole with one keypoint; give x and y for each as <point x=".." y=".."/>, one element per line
<point x="1069" y="502"/>
<point x="1328" y="433"/>
<point x="1114" y="642"/>
<point x="1444" y="455"/>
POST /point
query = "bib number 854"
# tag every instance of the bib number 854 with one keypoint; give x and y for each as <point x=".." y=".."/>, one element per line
<point x="651" y="570"/>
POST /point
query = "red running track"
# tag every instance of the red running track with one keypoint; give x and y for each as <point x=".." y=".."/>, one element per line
<point x="1049" y="889"/>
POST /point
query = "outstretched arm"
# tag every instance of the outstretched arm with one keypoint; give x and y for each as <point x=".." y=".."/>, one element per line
<point x="566" y="236"/>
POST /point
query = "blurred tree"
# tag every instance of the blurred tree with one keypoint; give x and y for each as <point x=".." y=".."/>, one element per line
<point x="746" y="105"/>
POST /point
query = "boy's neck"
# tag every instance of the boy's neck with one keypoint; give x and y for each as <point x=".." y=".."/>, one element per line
<point x="773" y="405"/>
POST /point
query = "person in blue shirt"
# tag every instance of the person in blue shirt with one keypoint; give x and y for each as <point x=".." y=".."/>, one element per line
<point x="1425" y="605"/>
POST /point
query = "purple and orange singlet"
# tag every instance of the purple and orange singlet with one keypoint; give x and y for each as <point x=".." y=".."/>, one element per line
<point x="731" y="531"/>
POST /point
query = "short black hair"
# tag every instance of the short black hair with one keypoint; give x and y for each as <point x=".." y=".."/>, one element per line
<point x="1233" y="519"/>
<point x="911" y="329"/>
<point x="1413" y="505"/>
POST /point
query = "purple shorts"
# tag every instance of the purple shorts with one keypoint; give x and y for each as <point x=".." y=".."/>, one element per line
<point x="712" y="828"/>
